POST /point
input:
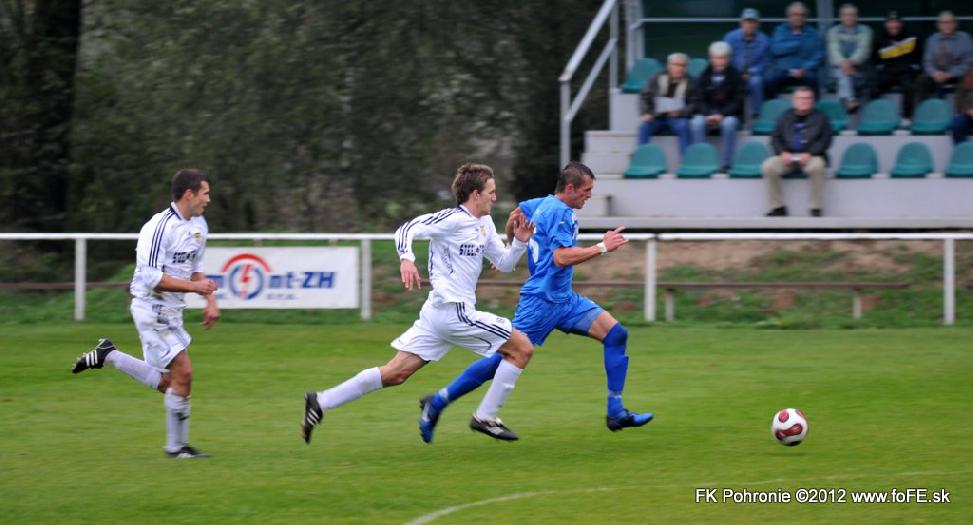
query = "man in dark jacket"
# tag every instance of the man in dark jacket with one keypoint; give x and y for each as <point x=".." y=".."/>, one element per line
<point x="721" y="93"/>
<point x="668" y="100"/>
<point x="800" y="141"/>
<point x="898" y="61"/>
<point x="963" y="121"/>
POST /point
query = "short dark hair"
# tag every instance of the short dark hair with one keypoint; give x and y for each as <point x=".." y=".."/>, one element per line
<point x="573" y="173"/>
<point x="469" y="178"/>
<point x="803" y="89"/>
<point x="187" y="179"/>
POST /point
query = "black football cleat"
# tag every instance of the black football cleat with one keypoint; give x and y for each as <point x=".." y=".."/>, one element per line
<point x="187" y="452"/>
<point x="312" y="415"/>
<point x="495" y="429"/>
<point x="627" y="419"/>
<point x="95" y="358"/>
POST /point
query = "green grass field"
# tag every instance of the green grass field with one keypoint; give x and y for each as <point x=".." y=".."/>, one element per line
<point x="887" y="409"/>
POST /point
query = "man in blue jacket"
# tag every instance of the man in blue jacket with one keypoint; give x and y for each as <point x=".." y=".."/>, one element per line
<point x="751" y="55"/>
<point x="797" y="51"/>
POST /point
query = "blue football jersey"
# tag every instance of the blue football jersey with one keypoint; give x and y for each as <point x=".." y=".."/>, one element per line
<point x="555" y="227"/>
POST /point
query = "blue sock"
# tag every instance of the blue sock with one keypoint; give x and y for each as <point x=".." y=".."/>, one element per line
<point x="475" y="375"/>
<point x="616" y="366"/>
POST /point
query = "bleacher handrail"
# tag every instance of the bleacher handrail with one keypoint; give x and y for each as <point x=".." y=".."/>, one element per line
<point x="609" y="12"/>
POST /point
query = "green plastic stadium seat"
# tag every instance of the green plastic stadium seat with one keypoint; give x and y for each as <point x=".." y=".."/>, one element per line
<point x="748" y="161"/>
<point x="836" y="113"/>
<point x="642" y="70"/>
<point x="699" y="162"/>
<point x="768" y="116"/>
<point x="932" y="117"/>
<point x="647" y="162"/>
<point x="961" y="162"/>
<point x="696" y="67"/>
<point x="880" y="117"/>
<point x="912" y="161"/>
<point x="858" y="162"/>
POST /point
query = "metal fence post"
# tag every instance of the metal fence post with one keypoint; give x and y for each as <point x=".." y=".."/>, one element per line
<point x="366" y="279"/>
<point x="650" y="280"/>
<point x="80" y="272"/>
<point x="949" y="281"/>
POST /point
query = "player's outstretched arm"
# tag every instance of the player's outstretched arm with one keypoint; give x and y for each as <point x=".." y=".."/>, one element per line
<point x="505" y="258"/>
<point x="613" y="240"/>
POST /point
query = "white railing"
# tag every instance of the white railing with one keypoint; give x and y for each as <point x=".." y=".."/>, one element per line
<point x="651" y="240"/>
<point x="609" y="12"/>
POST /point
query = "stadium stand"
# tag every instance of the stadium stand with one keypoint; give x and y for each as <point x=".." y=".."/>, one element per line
<point x="701" y="161"/>
<point x="932" y="117"/>
<point x="880" y="117"/>
<point x="746" y="164"/>
<point x="768" y="116"/>
<point x="836" y="113"/>
<point x="642" y="71"/>
<point x="913" y="161"/>
<point x="647" y="161"/>
<point x="858" y="162"/>
<point x="961" y="161"/>
<point x="696" y="67"/>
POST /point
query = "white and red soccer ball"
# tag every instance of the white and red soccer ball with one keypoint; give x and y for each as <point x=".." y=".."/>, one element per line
<point x="789" y="427"/>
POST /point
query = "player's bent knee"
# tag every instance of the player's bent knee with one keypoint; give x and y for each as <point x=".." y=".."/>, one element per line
<point x="617" y="336"/>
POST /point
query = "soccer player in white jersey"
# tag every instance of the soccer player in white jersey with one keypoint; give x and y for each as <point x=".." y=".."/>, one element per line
<point x="169" y="262"/>
<point x="460" y="238"/>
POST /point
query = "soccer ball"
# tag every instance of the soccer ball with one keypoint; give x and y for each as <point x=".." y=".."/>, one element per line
<point x="789" y="427"/>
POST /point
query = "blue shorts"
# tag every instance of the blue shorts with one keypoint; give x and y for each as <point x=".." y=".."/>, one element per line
<point x="537" y="317"/>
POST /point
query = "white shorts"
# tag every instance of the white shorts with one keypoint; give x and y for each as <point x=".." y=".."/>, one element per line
<point x="161" y="332"/>
<point x="443" y="326"/>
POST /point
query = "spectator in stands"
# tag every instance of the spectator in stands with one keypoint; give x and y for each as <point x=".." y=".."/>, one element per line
<point x="751" y="54"/>
<point x="721" y="92"/>
<point x="963" y="122"/>
<point x="849" y="48"/>
<point x="800" y="142"/>
<point x="668" y="100"/>
<point x="898" y="61"/>
<point x="948" y="56"/>
<point x="796" y="50"/>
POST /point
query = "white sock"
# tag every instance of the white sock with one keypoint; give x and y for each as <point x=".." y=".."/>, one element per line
<point x="503" y="384"/>
<point x="178" y="410"/>
<point x="138" y="369"/>
<point x="364" y="382"/>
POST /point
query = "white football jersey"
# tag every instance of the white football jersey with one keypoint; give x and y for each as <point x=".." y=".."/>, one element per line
<point x="458" y="242"/>
<point x="168" y="244"/>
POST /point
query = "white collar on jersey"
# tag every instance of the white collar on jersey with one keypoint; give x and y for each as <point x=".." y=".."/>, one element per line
<point x="466" y="210"/>
<point x="175" y="209"/>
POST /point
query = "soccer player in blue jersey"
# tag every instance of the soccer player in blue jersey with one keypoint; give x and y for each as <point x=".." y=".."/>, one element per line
<point x="548" y="301"/>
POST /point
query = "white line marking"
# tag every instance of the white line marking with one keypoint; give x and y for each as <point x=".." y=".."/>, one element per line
<point x="432" y="516"/>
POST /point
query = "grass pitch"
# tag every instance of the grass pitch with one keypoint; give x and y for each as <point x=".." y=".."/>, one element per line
<point x="887" y="409"/>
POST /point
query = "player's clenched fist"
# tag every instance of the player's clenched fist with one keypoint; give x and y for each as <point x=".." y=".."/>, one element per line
<point x="614" y="239"/>
<point x="205" y="286"/>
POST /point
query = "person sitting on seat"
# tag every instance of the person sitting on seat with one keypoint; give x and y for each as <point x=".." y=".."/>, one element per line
<point x="849" y="48"/>
<point x="751" y="54"/>
<point x="898" y="61"/>
<point x="948" y="56"/>
<point x="800" y="142"/>
<point x="721" y="93"/>
<point x="797" y="51"/>
<point x="667" y="101"/>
